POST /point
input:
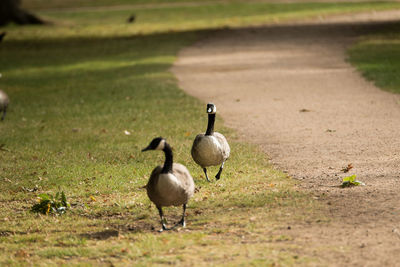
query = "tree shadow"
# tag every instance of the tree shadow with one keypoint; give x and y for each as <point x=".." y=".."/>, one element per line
<point x="55" y="52"/>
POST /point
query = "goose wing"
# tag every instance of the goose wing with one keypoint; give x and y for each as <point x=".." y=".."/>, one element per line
<point x="151" y="186"/>
<point x="183" y="175"/>
<point x="166" y="189"/>
<point x="207" y="151"/>
<point x="224" y="146"/>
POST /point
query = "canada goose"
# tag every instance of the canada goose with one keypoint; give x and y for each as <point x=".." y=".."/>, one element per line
<point x="170" y="184"/>
<point x="4" y="101"/>
<point x="211" y="148"/>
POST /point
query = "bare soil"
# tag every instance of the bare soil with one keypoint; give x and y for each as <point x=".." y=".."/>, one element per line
<point x="289" y="89"/>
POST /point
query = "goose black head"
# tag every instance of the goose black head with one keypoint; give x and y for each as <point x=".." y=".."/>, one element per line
<point x="211" y="108"/>
<point x="156" y="144"/>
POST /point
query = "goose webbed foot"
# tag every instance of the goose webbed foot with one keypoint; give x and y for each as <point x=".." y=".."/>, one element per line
<point x="164" y="228"/>
<point x="205" y="172"/>
<point x="163" y="221"/>
<point x="182" y="221"/>
<point x="218" y="176"/>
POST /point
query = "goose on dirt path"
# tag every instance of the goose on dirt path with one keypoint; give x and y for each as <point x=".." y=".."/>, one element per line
<point x="4" y="101"/>
<point x="169" y="185"/>
<point x="211" y="148"/>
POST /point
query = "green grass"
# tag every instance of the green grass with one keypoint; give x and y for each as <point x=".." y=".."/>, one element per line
<point x="249" y="4"/>
<point x="75" y="87"/>
<point x="112" y="21"/>
<point x="378" y="59"/>
<point x="42" y="4"/>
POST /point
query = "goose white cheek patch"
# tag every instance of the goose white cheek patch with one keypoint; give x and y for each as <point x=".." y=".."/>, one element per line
<point x="161" y="145"/>
<point x="212" y="110"/>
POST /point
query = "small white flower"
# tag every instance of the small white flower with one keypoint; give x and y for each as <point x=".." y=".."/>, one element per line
<point x="127" y="132"/>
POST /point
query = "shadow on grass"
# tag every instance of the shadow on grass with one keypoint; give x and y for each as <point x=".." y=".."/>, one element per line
<point x="55" y="52"/>
<point x="58" y="52"/>
<point x="101" y="235"/>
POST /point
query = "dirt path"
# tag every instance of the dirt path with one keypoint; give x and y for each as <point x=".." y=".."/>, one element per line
<point x="261" y="80"/>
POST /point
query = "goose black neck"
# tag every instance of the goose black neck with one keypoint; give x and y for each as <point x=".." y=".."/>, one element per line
<point x="168" y="159"/>
<point x="210" y="126"/>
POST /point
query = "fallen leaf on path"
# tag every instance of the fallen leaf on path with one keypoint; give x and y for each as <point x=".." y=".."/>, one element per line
<point x="351" y="181"/>
<point x="347" y="168"/>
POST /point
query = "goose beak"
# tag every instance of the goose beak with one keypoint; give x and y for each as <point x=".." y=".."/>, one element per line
<point x="146" y="148"/>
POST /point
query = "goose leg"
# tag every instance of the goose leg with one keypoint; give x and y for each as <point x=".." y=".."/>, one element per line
<point x="164" y="227"/>
<point x="220" y="171"/>
<point x="205" y="172"/>
<point x="182" y="221"/>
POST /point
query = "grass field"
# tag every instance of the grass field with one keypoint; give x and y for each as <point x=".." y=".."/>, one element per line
<point x="76" y="86"/>
<point x="40" y="4"/>
<point x="378" y="59"/>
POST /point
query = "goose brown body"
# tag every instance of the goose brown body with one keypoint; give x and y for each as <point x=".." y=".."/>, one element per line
<point x="210" y="150"/>
<point x="170" y="189"/>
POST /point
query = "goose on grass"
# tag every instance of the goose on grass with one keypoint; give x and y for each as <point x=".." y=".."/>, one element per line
<point x="170" y="184"/>
<point x="211" y="148"/>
